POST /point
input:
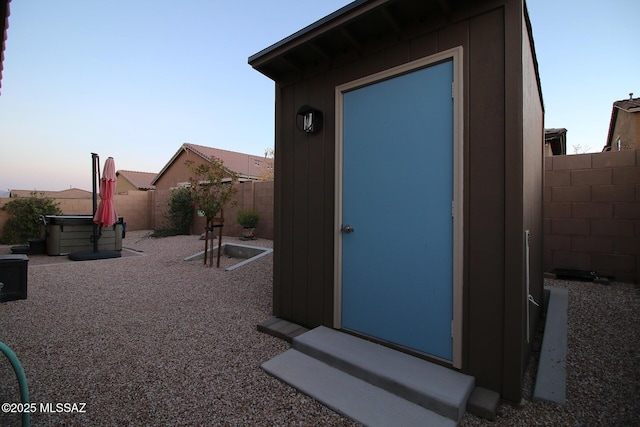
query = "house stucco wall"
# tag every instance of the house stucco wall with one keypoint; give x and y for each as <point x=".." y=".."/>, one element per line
<point x="627" y="128"/>
<point x="124" y="185"/>
<point x="177" y="172"/>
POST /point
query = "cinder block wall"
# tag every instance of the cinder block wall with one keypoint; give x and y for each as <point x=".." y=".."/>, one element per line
<point x="250" y="195"/>
<point x="592" y="213"/>
<point x="134" y="206"/>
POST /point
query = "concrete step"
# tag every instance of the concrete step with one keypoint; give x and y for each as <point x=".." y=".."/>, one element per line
<point x="348" y="395"/>
<point x="432" y="387"/>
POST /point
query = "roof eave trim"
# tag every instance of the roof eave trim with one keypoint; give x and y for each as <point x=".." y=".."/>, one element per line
<point x="612" y="124"/>
<point x="309" y="32"/>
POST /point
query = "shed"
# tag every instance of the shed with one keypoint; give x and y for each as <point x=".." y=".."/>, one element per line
<point x="408" y="180"/>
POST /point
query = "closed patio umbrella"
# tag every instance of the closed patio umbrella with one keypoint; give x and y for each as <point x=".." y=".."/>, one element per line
<point x="106" y="215"/>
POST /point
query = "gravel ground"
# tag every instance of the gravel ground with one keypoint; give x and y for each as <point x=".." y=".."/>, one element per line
<point x="149" y="339"/>
<point x="603" y="363"/>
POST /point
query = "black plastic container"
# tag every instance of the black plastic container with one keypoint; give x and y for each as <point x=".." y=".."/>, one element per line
<point x="13" y="276"/>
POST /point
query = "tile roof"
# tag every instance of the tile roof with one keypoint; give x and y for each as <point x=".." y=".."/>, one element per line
<point x="4" y="22"/>
<point x="71" y="193"/>
<point x="247" y="166"/>
<point x="140" y="180"/>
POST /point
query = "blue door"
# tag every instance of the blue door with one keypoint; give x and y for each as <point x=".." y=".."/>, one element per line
<point x="397" y="192"/>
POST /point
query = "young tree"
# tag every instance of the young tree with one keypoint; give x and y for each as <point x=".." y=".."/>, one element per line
<point x="577" y="149"/>
<point x="211" y="186"/>
<point x="211" y="190"/>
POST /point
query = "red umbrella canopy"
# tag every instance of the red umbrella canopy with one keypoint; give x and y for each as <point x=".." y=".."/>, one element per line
<point x="106" y="215"/>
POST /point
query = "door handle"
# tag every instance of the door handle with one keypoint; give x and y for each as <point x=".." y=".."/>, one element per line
<point x="347" y="229"/>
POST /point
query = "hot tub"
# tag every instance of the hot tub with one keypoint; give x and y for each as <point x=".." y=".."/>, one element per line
<point x="73" y="233"/>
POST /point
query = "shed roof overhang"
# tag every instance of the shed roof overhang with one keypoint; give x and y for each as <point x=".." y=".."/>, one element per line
<point x="346" y="30"/>
<point x="4" y="25"/>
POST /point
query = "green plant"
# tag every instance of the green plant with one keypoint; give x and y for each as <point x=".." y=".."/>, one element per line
<point x="247" y="218"/>
<point x="211" y="186"/>
<point x="179" y="215"/>
<point x="24" y="217"/>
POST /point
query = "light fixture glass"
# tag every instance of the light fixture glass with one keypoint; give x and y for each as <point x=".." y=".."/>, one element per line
<point x="308" y="119"/>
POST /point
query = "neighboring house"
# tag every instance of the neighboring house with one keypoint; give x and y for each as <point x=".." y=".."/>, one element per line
<point x="555" y="142"/>
<point x="71" y="193"/>
<point x="132" y="180"/>
<point x="4" y="25"/>
<point x="431" y="113"/>
<point x="624" y="128"/>
<point x="248" y="167"/>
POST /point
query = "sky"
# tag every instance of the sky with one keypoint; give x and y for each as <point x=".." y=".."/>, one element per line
<point x="135" y="79"/>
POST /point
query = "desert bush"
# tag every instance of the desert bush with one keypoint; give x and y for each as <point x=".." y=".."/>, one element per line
<point x="179" y="215"/>
<point x="24" y="218"/>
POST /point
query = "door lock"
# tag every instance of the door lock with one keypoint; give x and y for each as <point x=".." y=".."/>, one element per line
<point x="347" y="229"/>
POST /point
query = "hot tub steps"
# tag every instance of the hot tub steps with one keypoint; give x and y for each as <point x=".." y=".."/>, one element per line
<point x="370" y="383"/>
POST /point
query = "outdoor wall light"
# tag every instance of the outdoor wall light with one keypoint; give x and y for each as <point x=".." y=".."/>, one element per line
<point x="308" y="119"/>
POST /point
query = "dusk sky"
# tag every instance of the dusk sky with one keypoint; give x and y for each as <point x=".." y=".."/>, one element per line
<point x="136" y="79"/>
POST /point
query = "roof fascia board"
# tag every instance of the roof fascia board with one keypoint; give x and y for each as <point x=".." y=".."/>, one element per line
<point x="612" y="125"/>
<point x="527" y="21"/>
<point x="4" y="26"/>
<point x="337" y="18"/>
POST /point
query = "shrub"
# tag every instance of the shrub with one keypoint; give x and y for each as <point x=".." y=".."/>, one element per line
<point x="247" y="218"/>
<point x="24" y="218"/>
<point x="180" y="214"/>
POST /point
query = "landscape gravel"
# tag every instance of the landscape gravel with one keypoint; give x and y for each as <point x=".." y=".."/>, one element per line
<point x="149" y="339"/>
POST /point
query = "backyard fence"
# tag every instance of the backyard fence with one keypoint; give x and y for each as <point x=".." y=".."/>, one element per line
<point x="592" y="213"/>
<point x="145" y="210"/>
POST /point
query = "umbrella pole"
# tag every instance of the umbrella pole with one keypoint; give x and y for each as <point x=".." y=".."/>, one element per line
<point x="95" y="159"/>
